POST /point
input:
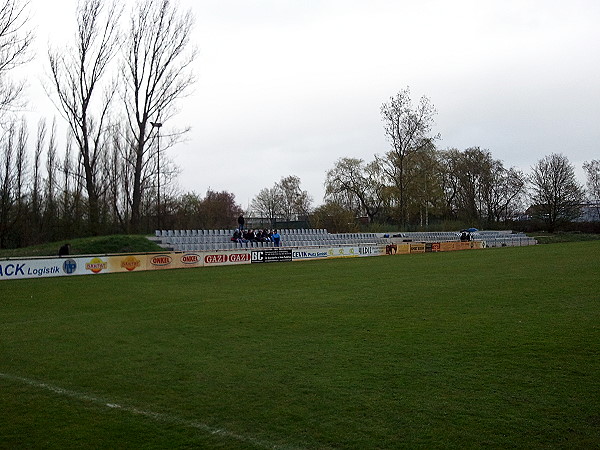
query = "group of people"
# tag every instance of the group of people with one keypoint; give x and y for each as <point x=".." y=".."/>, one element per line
<point x="243" y="236"/>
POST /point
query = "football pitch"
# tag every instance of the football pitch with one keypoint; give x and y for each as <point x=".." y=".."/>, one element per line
<point x="487" y="348"/>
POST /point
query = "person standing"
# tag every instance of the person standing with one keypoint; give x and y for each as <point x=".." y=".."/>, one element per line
<point x="276" y="238"/>
<point x="241" y="222"/>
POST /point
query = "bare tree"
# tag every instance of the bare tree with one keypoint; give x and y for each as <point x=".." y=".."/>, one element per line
<point x="12" y="160"/>
<point x="267" y="203"/>
<point x="557" y="196"/>
<point x="285" y="200"/>
<point x="36" y="197"/>
<point x="157" y="73"/>
<point x="358" y="182"/>
<point x="77" y="73"/>
<point x="15" y="40"/>
<point x="474" y="175"/>
<point x="408" y="129"/>
<point x="295" y="201"/>
<point x="51" y="182"/>
<point x="592" y="173"/>
<point x="21" y="164"/>
<point x="504" y="193"/>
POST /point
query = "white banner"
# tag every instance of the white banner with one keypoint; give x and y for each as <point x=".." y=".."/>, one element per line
<point x="39" y="268"/>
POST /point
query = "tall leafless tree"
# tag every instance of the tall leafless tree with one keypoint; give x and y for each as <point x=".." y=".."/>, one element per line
<point x="12" y="180"/>
<point x="408" y="130"/>
<point x="15" y="41"/>
<point x="557" y="196"/>
<point x="295" y="201"/>
<point x="592" y="174"/>
<point x="267" y="204"/>
<point x="157" y="73"/>
<point x="77" y="74"/>
<point x="50" y="214"/>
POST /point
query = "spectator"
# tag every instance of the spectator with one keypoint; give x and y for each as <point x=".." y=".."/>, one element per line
<point x="249" y="235"/>
<point x="237" y="237"/>
<point x="65" y="250"/>
<point x="276" y="238"/>
<point x="267" y="235"/>
<point x="241" y="222"/>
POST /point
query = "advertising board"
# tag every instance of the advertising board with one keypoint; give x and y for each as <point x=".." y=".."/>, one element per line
<point x="127" y="263"/>
<point x="226" y="258"/>
<point x="13" y="269"/>
<point x="269" y="255"/>
<point x="432" y="247"/>
<point x="36" y="268"/>
<point x="343" y="252"/>
<point x="397" y="249"/>
<point x="417" y="247"/>
<point x="161" y="262"/>
<point x="307" y="253"/>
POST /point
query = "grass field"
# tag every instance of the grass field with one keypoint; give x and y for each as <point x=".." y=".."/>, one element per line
<point x="491" y="348"/>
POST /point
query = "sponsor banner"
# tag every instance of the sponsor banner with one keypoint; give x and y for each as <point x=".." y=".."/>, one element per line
<point x="162" y="261"/>
<point x="304" y="253"/>
<point x="190" y="260"/>
<point x="175" y="260"/>
<point x="369" y="250"/>
<point x="456" y="245"/>
<point x="96" y="265"/>
<point x="93" y="265"/>
<point x="127" y="263"/>
<point x="309" y="253"/>
<point x="448" y="246"/>
<point x="397" y="249"/>
<point x="432" y="247"/>
<point x="269" y="255"/>
<point x="344" y="252"/>
<point x="226" y="258"/>
<point x="417" y="247"/>
<point x="35" y="268"/>
<point x="42" y="268"/>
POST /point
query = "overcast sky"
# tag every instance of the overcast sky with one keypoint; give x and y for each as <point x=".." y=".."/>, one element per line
<point x="287" y="87"/>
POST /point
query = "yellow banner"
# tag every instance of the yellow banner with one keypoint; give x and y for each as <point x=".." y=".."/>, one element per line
<point x="417" y="247"/>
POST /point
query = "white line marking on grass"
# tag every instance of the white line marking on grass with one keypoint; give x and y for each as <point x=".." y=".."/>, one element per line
<point x="159" y="417"/>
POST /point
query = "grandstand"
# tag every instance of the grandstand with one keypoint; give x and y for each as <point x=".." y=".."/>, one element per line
<point x="492" y="238"/>
<point x="209" y="240"/>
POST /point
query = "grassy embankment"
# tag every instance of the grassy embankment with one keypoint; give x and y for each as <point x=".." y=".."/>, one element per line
<point x="88" y="246"/>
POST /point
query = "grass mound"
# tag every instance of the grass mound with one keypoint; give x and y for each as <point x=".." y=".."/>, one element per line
<point x="88" y="246"/>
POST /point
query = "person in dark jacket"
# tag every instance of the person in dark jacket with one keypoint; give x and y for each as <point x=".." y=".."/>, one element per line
<point x="65" y="250"/>
<point x="241" y="221"/>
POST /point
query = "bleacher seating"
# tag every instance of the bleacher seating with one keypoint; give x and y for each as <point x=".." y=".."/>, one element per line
<point x="208" y="240"/>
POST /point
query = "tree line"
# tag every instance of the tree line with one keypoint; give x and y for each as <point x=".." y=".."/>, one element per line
<point x="415" y="183"/>
<point x="116" y="85"/>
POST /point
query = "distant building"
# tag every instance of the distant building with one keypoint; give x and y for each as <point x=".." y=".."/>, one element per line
<point x="590" y="212"/>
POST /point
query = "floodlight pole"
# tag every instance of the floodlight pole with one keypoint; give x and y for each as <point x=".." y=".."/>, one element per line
<point x="157" y="125"/>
